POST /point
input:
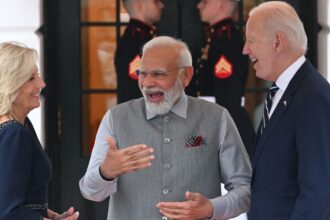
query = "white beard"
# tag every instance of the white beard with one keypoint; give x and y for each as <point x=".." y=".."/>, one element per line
<point x="170" y="98"/>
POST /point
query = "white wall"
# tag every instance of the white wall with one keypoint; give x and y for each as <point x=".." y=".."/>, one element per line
<point x="19" y="20"/>
<point x="323" y="7"/>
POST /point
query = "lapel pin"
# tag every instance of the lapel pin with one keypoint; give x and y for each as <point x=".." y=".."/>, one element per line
<point x="284" y="102"/>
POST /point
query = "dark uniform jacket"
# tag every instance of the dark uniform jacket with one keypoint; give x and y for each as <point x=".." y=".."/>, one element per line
<point x="221" y="71"/>
<point x="127" y="58"/>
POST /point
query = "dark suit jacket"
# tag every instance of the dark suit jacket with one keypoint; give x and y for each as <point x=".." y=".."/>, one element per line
<point x="291" y="162"/>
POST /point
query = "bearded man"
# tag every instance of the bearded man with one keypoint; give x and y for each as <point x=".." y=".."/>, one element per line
<point x="164" y="156"/>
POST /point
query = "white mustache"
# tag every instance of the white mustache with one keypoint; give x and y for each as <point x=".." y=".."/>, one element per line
<point x="151" y="90"/>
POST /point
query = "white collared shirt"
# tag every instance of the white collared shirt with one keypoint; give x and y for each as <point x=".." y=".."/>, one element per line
<point x="284" y="79"/>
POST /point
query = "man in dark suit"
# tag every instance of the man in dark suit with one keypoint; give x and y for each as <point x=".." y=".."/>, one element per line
<point x="140" y="29"/>
<point x="291" y="160"/>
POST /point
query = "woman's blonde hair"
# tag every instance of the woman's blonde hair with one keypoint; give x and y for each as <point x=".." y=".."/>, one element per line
<point x="17" y="63"/>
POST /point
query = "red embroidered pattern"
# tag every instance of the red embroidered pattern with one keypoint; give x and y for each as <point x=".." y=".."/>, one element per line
<point x="195" y="141"/>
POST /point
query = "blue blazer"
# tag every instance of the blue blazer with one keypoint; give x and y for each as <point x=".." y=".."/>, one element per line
<point x="291" y="162"/>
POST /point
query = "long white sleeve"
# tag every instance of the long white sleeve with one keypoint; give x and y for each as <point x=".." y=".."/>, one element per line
<point x="236" y="172"/>
<point x="92" y="185"/>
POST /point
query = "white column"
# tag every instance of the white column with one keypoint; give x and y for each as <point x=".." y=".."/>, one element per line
<point x="323" y="17"/>
<point x="19" y="20"/>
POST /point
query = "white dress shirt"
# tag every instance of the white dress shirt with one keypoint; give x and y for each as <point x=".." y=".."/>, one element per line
<point x="284" y="79"/>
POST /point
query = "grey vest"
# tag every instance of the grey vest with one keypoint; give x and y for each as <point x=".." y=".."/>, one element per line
<point x="178" y="165"/>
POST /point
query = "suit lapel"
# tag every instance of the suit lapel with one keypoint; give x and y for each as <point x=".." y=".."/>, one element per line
<point x="271" y="125"/>
<point x="280" y="110"/>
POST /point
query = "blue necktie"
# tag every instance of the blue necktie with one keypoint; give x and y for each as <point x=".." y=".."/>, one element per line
<point x="268" y="105"/>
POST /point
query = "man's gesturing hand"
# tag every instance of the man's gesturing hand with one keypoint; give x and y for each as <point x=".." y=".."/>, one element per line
<point x="125" y="160"/>
<point x="195" y="207"/>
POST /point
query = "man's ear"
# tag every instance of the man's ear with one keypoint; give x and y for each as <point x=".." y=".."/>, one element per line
<point x="280" y="41"/>
<point x="188" y="74"/>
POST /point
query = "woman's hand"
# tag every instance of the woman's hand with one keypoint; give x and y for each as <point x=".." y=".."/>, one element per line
<point x="70" y="214"/>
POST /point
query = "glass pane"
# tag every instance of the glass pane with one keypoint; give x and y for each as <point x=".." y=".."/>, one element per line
<point x="94" y="107"/>
<point x="122" y="30"/>
<point x="98" y="10"/>
<point x="101" y="11"/>
<point x="98" y="50"/>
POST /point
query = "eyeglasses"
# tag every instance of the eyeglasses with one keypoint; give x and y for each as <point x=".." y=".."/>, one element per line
<point x="156" y="74"/>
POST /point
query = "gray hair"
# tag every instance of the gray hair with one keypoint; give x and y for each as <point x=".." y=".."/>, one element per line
<point x="179" y="46"/>
<point x="280" y="16"/>
<point x="17" y="62"/>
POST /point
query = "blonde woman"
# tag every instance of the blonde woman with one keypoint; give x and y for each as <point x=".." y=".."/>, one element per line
<point x="24" y="166"/>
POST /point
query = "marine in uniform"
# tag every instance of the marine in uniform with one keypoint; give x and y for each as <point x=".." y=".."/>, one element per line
<point x="140" y="29"/>
<point x="221" y="72"/>
<point x="127" y="58"/>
